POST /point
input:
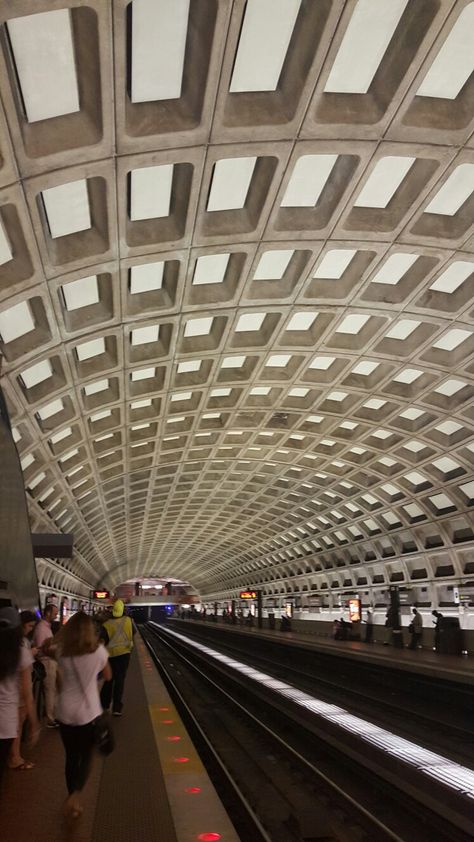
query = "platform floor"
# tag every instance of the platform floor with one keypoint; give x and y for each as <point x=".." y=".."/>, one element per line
<point x="457" y="668"/>
<point x="139" y="792"/>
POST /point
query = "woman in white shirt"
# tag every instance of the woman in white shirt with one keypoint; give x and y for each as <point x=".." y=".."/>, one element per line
<point x="15" y="677"/>
<point x="80" y="659"/>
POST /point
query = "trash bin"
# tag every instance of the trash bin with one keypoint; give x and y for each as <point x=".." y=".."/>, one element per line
<point x="271" y="621"/>
<point x="450" y="637"/>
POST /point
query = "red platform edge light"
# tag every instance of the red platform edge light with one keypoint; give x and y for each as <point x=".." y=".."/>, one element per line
<point x="162" y="709"/>
<point x="167" y="721"/>
<point x="181" y="759"/>
<point x="174" y="739"/>
<point x="209" y="837"/>
<point x="192" y="790"/>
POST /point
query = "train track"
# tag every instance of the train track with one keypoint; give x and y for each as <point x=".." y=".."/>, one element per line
<point x="297" y="785"/>
<point x="411" y="712"/>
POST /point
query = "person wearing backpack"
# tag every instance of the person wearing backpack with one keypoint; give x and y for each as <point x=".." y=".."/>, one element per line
<point x="120" y="644"/>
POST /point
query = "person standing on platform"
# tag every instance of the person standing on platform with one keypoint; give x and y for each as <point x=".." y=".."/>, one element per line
<point x="15" y="678"/>
<point x="81" y="657"/>
<point x="42" y="640"/>
<point x="416" y="629"/>
<point x="15" y="761"/>
<point x="438" y="621"/>
<point x="369" y="627"/>
<point x="120" y="632"/>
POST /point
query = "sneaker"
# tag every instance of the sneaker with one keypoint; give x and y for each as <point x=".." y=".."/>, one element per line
<point x="52" y="724"/>
<point x="116" y="713"/>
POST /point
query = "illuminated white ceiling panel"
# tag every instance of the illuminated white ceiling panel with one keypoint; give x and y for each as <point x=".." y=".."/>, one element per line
<point x="334" y="263"/>
<point x="273" y="265"/>
<point x="67" y="208"/>
<point x="81" y="293"/>
<point x="454" y="192"/>
<point x="147" y="277"/>
<point x="15" y="322"/>
<point x="308" y="180"/>
<point x="270" y="22"/>
<point x="230" y="183"/>
<point x="370" y="30"/>
<point x="150" y="192"/>
<point x="454" y="63"/>
<point x="43" y="49"/>
<point x="210" y="269"/>
<point x="384" y="181"/>
<point x="159" y="29"/>
<point x="5" y="247"/>
<point x="394" y="268"/>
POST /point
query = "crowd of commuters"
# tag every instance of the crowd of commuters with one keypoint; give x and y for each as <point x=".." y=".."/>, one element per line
<point x="70" y="664"/>
<point x="343" y="630"/>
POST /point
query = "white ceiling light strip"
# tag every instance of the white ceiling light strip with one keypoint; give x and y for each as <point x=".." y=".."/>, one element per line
<point x="210" y="269"/>
<point x="454" y="63"/>
<point x="67" y="208"/>
<point x="427" y="762"/>
<point x="81" y="293"/>
<point x="147" y="277"/>
<point x="394" y="268"/>
<point x="269" y="22"/>
<point x="230" y="183"/>
<point x="384" y="181"/>
<point x="44" y="56"/>
<point x="16" y="322"/>
<point x="363" y="47"/>
<point x="454" y="192"/>
<point x="6" y="253"/>
<point x="159" y="29"/>
<point x="150" y="192"/>
<point x="273" y="265"/>
<point x="308" y="180"/>
<point x="453" y="277"/>
<point x="334" y="263"/>
<point x="36" y="374"/>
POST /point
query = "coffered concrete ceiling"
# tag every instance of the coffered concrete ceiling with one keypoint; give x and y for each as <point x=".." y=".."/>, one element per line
<point x="237" y="289"/>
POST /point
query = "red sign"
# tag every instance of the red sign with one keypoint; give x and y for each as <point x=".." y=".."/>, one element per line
<point x="248" y="594"/>
<point x="101" y="594"/>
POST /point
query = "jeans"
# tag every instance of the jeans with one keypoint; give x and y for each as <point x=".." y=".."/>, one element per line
<point x="78" y="741"/>
<point x="49" y="686"/>
<point x="112" y="691"/>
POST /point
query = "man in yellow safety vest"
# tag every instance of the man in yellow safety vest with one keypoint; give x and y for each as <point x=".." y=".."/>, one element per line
<point x="120" y="633"/>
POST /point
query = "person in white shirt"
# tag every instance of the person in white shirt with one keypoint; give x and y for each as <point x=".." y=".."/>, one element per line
<point x="28" y="621"/>
<point x="42" y="640"/>
<point x="15" y="668"/>
<point x="80" y="660"/>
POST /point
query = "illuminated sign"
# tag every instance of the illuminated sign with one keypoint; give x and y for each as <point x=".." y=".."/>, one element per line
<point x="248" y="594"/>
<point x="101" y="594"/>
<point x="355" y="610"/>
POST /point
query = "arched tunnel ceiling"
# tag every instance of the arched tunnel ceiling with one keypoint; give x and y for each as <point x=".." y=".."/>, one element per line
<point x="236" y="285"/>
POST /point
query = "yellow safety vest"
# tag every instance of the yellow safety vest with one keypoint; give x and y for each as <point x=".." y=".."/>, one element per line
<point x="120" y="634"/>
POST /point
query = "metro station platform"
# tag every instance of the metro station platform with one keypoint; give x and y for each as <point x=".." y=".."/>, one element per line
<point x="152" y="787"/>
<point x="454" y="668"/>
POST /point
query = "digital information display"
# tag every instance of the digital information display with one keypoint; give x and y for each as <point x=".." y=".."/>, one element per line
<point x="248" y="594"/>
<point x="101" y="594"/>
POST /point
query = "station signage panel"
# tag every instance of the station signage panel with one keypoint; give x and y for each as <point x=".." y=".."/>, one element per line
<point x="101" y="594"/>
<point x="355" y="610"/>
<point x="248" y="594"/>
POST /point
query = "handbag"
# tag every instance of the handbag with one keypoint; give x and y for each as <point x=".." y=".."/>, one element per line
<point x="103" y="735"/>
<point x="104" y="739"/>
<point x="411" y="628"/>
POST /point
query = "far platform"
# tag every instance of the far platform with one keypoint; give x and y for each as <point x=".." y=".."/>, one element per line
<point x="454" y="668"/>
